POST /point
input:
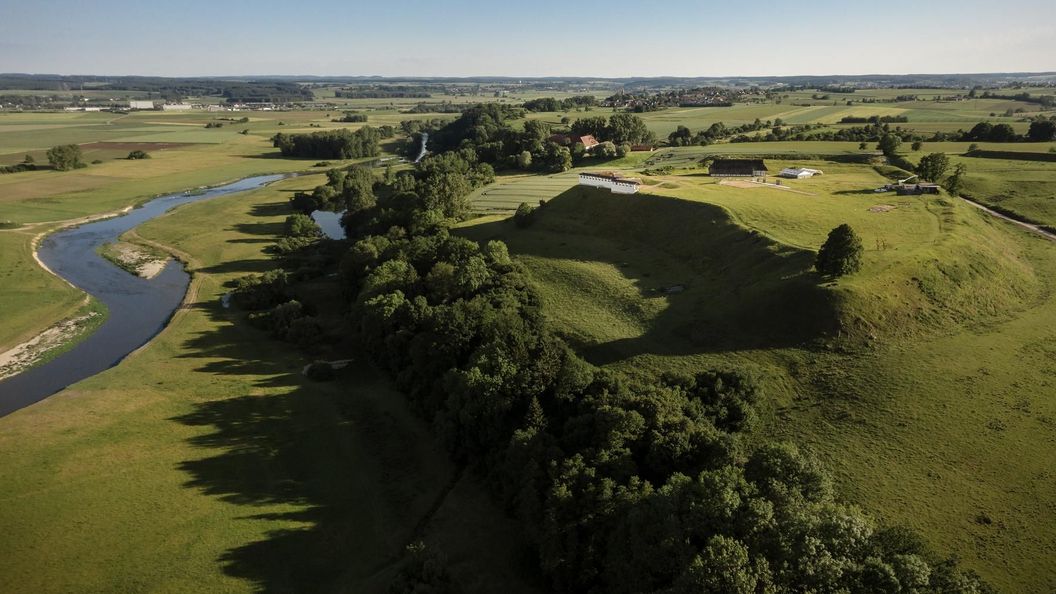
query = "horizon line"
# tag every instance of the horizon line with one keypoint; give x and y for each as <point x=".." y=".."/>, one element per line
<point x="547" y="76"/>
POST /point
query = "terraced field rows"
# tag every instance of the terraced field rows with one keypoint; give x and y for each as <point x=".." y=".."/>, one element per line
<point x="510" y="191"/>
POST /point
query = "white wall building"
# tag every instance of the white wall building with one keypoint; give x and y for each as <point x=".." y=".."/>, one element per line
<point x="141" y="105"/>
<point x="799" y="172"/>
<point x="614" y="182"/>
<point x="176" y="107"/>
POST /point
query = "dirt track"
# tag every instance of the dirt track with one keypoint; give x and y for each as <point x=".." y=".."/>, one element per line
<point x="1029" y="226"/>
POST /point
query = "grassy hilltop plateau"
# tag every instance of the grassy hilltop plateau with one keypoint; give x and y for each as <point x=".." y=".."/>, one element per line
<point x="500" y="379"/>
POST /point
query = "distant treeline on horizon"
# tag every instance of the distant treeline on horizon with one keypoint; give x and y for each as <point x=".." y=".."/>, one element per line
<point x="293" y="86"/>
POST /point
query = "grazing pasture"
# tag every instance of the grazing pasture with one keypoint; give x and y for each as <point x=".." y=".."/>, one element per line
<point x="925" y="381"/>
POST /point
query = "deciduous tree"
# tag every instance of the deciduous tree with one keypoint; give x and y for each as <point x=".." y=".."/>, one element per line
<point x="841" y="254"/>
<point x="66" y="157"/>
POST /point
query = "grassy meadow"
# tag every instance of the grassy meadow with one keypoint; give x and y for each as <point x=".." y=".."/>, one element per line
<point x="925" y="382"/>
<point x="206" y="461"/>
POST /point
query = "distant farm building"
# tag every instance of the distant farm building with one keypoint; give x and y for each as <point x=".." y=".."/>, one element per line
<point x="737" y="168"/>
<point x="616" y="183"/>
<point x="916" y="189"/>
<point x="176" y="107"/>
<point x="642" y="148"/>
<point x="141" y="105"/>
<point x="569" y="140"/>
<point x="799" y="172"/>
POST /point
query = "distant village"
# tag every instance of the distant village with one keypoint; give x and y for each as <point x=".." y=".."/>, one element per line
<point x="150" y="105"/>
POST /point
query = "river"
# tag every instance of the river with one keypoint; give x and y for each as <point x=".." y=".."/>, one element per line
<point x="138" y="308"/>
<point x="424" y="149"/>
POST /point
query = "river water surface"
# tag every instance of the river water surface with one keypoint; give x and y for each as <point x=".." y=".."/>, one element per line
<point x="139" y="308"/>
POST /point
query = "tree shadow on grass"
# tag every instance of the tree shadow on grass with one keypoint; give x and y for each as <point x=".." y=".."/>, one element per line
<point x="272" y="209"/>
<point x="334" y="479"/>
<point x="270" y="230"/>
<point x="240" y="267"/>
<point x="863" y="192"/>
<point x="726" y="288"/>
<point x="251" y="240"/>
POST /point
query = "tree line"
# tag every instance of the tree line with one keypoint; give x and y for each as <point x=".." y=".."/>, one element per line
<point x="888" y="119"/>
<point x="331" y="144"/>
<point x="552" y="104"/>
<point x="1041" y="129"/>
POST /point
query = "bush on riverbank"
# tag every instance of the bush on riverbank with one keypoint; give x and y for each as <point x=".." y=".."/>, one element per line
<point x="258" y="292"/>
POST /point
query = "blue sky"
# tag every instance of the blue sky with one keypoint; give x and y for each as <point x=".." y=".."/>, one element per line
<point x="534" y="38"/>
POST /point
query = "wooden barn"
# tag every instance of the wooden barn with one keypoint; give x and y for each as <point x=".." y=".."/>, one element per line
<point x="916" y="189"/>
<point x="737" y="168"/>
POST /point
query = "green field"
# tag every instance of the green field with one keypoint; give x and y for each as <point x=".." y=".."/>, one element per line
<point x="926" y="381"/>
<point x="206" y="462"/>
<point x="798" y="108"/>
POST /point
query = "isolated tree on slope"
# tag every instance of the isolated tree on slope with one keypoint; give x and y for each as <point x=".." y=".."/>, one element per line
<point x="955" y="183"/>
<point x="841" y="254"/>
<point x="889" y="144"/>
<point x="932" y="167"/>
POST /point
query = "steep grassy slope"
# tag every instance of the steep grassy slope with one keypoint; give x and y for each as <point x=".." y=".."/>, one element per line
<point x="925" y="382"/>
<point x="649" y="268"/>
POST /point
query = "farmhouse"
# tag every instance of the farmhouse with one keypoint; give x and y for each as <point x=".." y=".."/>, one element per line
<point x="916" y="189"/>
<point x="141" y="105"/>
<point x="737" y="168"/>
<point x="616" y="183"/>
<point x="588" y="140"/>
<point x="799" y="172"/>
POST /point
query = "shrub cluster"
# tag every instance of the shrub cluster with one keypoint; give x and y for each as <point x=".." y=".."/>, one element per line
<point x="18" y="168"/>
<point x="525" y="215"/>
<point x="351" y="117"/>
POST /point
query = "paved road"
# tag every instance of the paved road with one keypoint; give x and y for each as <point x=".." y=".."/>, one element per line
<point x="1028" y="226"/>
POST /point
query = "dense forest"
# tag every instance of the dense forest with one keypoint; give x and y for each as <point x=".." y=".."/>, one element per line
<point x="621" y="485"/>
